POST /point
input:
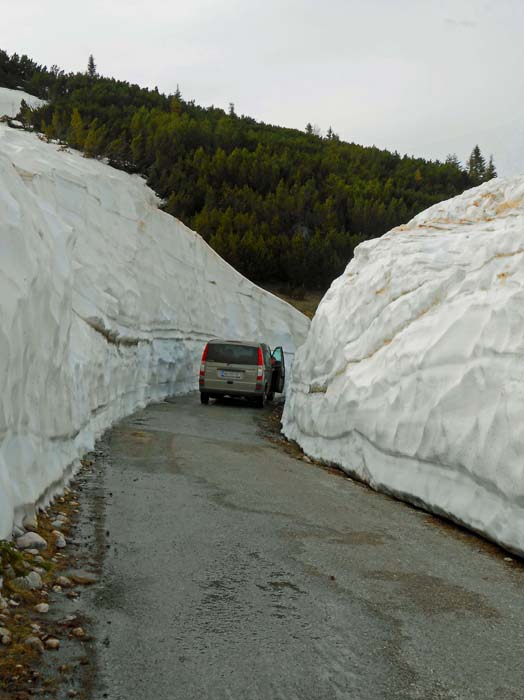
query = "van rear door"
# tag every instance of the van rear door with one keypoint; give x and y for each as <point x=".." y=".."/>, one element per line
<point x="231" y="368"/>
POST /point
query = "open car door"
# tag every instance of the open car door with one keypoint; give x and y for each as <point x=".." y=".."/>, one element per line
<point x="279" y="370"/>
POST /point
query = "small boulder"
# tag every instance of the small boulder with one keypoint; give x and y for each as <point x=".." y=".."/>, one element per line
<point x="5" y="636"/>
<point x="30" y="523"/>
<point x="52" y="643"/>
<point x="42" y="608"/>
<point x="31" y="582"/>
<point x="31" y="540"/>
<point x="35" y="643"/>
<point x="79" y="632"/>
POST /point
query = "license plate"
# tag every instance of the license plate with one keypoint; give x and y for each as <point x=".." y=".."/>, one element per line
<point x="226" y="374"/>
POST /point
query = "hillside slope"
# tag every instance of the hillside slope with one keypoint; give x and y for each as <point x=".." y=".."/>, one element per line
<point x="106" y="303"/>
<point x="412" y="376"/>
<point x="283" y="206"/>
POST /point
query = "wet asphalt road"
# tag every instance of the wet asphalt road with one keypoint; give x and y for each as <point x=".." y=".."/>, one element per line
<point x="231" y="570"/>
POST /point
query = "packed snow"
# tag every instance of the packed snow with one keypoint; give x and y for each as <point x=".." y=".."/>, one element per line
<point x="105" y="304"/>
<point x="412" y="375"/>
<point x="10" y="101"/>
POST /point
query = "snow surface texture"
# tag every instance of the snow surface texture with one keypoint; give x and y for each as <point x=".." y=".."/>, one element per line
<point x="105" y="305"/>
<point x="412" y="375"/>
<point x="10" y="101"/>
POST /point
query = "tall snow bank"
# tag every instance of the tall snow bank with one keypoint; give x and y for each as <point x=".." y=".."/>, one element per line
<point x="412" y="375"/>
<point x="105" y="305"/>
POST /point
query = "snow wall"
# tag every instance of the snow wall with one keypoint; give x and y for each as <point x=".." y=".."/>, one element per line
<point x="412" y="375"/>
<point x="105" y="305"/>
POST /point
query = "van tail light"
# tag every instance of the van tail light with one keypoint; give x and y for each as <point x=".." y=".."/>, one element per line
<point x="260" y="368"/>
<point x="203" y="361"/>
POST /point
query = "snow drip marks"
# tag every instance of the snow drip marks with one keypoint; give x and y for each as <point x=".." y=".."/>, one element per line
<point x="420" y="346"/>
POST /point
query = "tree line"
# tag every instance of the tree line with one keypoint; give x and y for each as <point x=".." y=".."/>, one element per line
<point x="281" y="205"/>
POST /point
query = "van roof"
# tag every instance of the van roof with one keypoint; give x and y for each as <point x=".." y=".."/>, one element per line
<point x="249" y="343"/>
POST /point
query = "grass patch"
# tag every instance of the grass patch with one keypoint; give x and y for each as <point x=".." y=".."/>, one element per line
<point x="306" y="301"/>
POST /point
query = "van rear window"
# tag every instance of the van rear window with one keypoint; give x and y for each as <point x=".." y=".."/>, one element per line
<point x="238" y="354"/>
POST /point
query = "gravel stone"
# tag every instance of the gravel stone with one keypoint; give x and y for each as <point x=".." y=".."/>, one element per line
<point x="60" y="541"/>
<point x="82" y="577"/>
<point x="63" y="581"/>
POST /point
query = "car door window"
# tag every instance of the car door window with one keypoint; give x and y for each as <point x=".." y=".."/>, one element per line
<point x="278" y="355"/>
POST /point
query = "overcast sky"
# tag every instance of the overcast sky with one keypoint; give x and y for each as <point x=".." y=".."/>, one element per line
<point x="424" y="77"/>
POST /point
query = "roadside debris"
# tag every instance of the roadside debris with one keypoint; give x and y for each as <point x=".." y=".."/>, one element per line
<point x="36" y="569"/>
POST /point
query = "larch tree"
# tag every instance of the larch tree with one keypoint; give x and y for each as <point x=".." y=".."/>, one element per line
<point x="491" y="171"/>
<point x="76" y="135"/>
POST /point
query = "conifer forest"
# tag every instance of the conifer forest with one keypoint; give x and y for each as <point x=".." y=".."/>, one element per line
<point x="281" y="205"/>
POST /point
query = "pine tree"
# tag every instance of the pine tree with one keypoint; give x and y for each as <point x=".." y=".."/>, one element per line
<point x="91" y="67"/>
<point x="476" y="166"/>
<point x="176" y="102"/>
<point x="309" y="128"/>
<point x="490" y="170"/>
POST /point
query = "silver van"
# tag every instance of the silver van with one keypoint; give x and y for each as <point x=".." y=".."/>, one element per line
<point x="243" y="369"/>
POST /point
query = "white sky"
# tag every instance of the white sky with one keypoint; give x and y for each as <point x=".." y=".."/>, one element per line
<point x="424" y="77"/>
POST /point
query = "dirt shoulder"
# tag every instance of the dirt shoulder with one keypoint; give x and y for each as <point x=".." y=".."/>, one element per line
<point x="45" y="643"/>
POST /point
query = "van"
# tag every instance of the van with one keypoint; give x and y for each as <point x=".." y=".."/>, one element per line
<point x="241" y="369"/>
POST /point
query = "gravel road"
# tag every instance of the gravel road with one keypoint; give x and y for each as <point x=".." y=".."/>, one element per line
<point x="231" y="570"/>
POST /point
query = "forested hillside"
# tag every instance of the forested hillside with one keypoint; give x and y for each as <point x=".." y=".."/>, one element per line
<point x="279" y="204"/>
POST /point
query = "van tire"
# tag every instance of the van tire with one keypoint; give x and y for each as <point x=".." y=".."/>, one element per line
<point x="204" y="398"/>
<point x="260" y="401"/>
